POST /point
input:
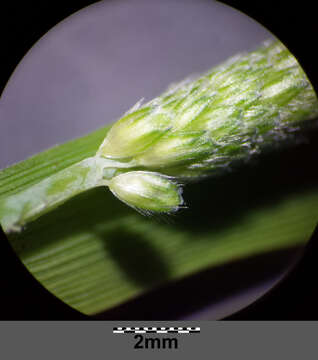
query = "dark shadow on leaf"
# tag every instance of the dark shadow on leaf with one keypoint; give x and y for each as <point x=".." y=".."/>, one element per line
<point x="98" y="212"/>
<point x="136" y="257"/>
<point x="196" y="296"/>
<point x="81" y="213"/>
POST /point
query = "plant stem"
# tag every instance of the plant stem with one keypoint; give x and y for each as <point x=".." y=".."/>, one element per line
<point x="51" y="192"/>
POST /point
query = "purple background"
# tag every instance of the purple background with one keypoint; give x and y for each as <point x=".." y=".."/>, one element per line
<point x="94" y="65"/>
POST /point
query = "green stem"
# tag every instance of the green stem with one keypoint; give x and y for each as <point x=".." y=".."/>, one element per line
<point x="51" y="192"/>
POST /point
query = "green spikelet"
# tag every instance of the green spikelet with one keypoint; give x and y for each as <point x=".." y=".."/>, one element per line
<point x="196" y="128"/>
<point x="251" y="101"/>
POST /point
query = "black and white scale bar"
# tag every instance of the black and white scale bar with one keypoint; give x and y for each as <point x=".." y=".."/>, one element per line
<point x="155" y="330"/>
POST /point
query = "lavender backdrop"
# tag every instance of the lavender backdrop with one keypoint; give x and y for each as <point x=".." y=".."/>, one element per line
<point x="94" y="65"/>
